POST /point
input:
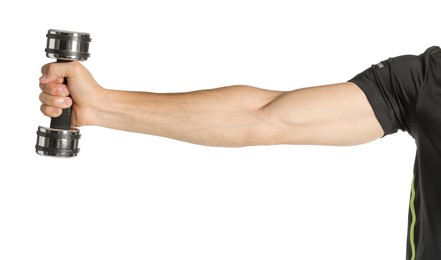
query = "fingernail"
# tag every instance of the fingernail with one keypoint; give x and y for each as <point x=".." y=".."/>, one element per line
<point x="63" y="101"/>
<point x="64" y="90"/>
<point x="67" y="101"/>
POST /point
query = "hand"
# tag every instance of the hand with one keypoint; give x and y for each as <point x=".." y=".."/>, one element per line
<point x="81" y="92"/>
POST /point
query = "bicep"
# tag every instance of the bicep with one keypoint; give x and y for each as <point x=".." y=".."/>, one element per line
<point x="337" y="114"/>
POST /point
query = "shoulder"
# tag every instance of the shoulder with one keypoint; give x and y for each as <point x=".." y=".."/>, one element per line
<point x="432" y="50"/>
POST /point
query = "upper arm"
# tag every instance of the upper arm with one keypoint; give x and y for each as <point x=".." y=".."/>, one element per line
<point x="337" y="114"/>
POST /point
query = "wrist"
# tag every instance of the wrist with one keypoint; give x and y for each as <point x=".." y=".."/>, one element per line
<point x="99" y="108"/>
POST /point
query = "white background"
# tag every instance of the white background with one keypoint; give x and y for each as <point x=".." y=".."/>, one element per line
<point x="132" y="196"/>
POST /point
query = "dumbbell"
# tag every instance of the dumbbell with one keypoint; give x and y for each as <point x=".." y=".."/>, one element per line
<point x="60" y="139"/>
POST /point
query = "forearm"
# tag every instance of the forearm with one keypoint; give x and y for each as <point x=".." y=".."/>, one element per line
<point x="229" y="116"/>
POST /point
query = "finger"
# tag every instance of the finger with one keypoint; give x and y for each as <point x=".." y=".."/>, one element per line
<point x="51" y="111"/>
<point x="54" y="89"/>
<point x="45" y="71"/>
<point x="54" y="71"/>
<point x="55" y="101"/>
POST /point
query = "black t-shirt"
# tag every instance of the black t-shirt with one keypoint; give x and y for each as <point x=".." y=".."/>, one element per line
<point x="405" y="94"/>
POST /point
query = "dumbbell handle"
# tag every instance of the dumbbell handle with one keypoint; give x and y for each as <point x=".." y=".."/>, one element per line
<point x="64" y="120"/>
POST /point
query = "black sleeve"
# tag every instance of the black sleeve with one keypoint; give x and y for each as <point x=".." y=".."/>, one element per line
<point x="392" y="88"/>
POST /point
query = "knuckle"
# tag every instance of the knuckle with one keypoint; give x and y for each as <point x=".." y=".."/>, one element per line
<point x="47" y="67"/>
<point x="50" y="111"/>
<point x="41" y="97"/>
<point x="44" y="68"/>
<point x="44" y="109"/>
<point x="45" y="88"/>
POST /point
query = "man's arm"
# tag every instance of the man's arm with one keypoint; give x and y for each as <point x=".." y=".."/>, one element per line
<point x="233" y="116"/>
